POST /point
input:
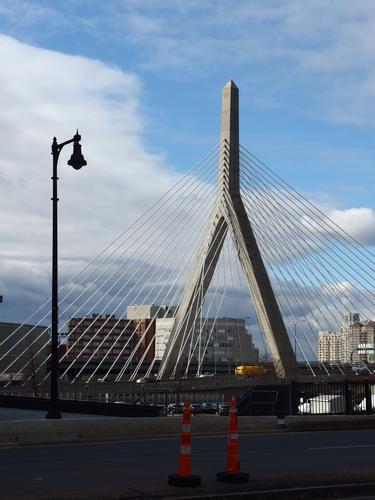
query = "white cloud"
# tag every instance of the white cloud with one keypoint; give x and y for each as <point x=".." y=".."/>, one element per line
<point x="324" y="45"/>
<point x="30" y="18"/>
<point x="45" y="93"/>
<point x="358" y="222"/>
<point x="323" y="49"/>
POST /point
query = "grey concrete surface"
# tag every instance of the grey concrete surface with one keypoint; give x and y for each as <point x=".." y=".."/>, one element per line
<point x="28" y="427"/>
<point x="328" y="422"/>
<point x="36" y="432"/>
<point x="139" y="469"/>
<point x="14" y="414"/>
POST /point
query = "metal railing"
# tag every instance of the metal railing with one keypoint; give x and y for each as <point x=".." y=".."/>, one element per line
<point x="334" y="398"/>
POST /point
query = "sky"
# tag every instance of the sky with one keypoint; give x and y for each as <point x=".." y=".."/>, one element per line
<point x="142" y="80"/>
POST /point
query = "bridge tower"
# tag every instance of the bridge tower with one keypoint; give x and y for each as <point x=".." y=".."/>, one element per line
<point x="229" y="214"/>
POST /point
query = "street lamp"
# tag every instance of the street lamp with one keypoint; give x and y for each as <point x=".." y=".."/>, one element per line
<point x="77" y="161"/>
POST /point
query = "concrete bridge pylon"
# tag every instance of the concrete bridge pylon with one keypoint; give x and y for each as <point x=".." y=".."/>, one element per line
<point x="229" y="215"/>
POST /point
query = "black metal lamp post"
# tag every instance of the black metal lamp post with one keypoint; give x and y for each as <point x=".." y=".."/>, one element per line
<point x="77" y="161"/>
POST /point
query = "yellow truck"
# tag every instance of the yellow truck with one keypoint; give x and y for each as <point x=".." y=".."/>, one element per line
<point x="250" y="370"/>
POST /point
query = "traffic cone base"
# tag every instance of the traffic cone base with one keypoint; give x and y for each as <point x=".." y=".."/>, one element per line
<point x="227" y="477"/>
<point x="187" y="481"/>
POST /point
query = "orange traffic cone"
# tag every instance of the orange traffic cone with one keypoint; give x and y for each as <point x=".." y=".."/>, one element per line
<point x="185" y="476"/>
<point x="233" y="473"/>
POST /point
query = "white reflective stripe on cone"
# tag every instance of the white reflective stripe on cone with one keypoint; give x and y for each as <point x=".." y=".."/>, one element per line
<point x="186" y="450"/>
<point x="233" y="435"/>
<point x="186" y="428"/>
<point x="232" y="410"/>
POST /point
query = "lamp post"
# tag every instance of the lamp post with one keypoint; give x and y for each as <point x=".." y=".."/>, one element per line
<point x="77" y="161"/>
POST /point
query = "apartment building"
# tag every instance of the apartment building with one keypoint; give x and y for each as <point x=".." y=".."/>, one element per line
<point x="98" y="337"/>
<point x="352" y="343"/>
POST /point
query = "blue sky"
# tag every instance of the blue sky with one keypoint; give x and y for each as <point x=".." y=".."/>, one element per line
<point x="142" y="79"/>
<point x="304" y="71"/>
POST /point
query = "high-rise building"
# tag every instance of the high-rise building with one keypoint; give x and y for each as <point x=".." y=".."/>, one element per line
<point x="351" y="343"/>
<point x="361" y="339"/>
<point x="329" y="344"/>
<point x="215" y="341"/>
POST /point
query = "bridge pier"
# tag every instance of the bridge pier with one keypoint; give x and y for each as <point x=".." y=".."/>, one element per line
<point x="229" y="215"/>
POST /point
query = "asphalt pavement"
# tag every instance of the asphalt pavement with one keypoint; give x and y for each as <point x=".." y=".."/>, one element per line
<point x="139" y="469"/>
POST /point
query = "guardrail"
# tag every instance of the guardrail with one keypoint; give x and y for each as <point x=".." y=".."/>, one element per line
<point x="84" y="407"/>
<point x="333" y="398"/>
<point x="296" y="398"/>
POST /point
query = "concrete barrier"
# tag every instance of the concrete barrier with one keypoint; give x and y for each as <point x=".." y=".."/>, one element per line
<point x="257" y="424"/>
<point x="329" y="422"/>
<point x="35" y="432"/>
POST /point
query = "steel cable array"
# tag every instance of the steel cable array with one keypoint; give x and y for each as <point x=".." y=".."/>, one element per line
<point x="317" y="270"/>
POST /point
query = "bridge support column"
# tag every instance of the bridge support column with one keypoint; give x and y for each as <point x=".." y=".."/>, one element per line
<point x="229" y="213"/>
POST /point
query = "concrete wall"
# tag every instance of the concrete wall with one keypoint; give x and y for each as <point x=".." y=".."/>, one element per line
<point x="329" y="422"/>
<point x="36" y="432"/>
<point x="118" y="429"/>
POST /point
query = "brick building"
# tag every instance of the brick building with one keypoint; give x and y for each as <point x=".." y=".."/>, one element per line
<point x="144" y="321"/>
<point x="99" y="337"/>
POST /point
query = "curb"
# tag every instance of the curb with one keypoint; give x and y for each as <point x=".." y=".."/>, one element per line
<point x="296" y="423"/>
<point x="307" y="492"/>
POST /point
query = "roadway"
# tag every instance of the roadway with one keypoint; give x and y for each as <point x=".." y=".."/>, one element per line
<point x="139" y="469"/>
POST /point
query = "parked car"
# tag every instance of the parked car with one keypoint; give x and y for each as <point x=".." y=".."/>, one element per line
<point x="179" y="408"/>
<point x="171" y="408"/>
<point x="360" y="370"/>
<point x="175" y="408"/>
<point x="209" y="408"/>
<point x="223" y="409"/>
<point x="196" y="409"/>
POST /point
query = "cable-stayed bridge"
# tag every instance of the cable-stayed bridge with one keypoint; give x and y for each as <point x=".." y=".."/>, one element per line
<point x="230" y="247"/>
